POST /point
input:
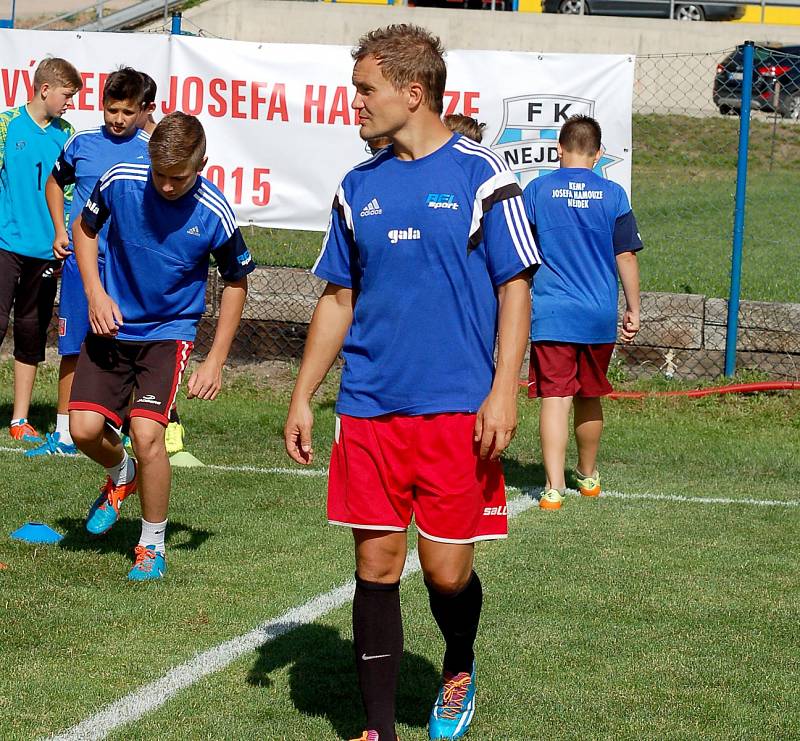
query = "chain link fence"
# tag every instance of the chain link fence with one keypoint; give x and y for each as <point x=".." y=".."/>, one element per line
<point x="686" y="142"/>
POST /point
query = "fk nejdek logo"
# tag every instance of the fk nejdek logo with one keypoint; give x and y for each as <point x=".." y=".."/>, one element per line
<point x="528" y="137"/>
<point x="373" y="208"/>
<point x="401" y="235"/>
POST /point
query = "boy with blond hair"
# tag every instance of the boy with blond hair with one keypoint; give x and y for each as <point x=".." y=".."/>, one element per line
<point x="166" y="221"/>
<point x="587" y="233"/>
<point x="31" y="137"/>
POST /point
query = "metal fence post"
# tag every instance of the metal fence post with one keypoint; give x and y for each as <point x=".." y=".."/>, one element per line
<point x="176" y="24"/>
<point x="738" y="217"/>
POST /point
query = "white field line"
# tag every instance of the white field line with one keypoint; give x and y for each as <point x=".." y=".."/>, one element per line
<point x="151" y="696"/>
<point x="534" y="491"/>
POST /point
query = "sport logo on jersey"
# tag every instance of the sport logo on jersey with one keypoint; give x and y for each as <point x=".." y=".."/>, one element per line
<point x="93" y="207"/>
<point x="194" y="231"/>
<point x="402" y="235"/>
<point x="373" y="208"/>
<point x="442" y="200"/>
<point x="244" y="258"/>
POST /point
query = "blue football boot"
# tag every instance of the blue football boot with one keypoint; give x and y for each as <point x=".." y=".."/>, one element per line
<point x="52" y="445"/>
<point x="452" y="713"/>
<point x="149" y="564"/>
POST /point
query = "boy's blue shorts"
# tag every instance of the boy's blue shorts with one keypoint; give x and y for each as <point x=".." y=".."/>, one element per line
<point x="73" y="309"/>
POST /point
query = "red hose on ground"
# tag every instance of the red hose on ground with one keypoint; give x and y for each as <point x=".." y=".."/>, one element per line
<point x="736" y="388"/>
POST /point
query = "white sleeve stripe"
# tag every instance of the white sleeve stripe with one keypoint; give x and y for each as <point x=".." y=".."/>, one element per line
<point x="479" y="149"/>
<point x="143" y="135"/>
<point x="78" y="133"/>
<point x="211" y="206"/>
<point x="496" y="164"/>
<point x="220" y="201"/>
<point x="127" y="167"/>
<point x="348" y="218"/>
<point x="523" y="256"/>
<point x="494" y="183"/>
<point x="224" y="209"/>
<point x="523" y="227"/>
<point x="120" y="176"/>
<point x="523" y="230"/>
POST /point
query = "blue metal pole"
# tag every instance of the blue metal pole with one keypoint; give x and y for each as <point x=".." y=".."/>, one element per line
<point x="176" y="24"/>
<point x="13" y="11"/>
<point x="738" y="217"/>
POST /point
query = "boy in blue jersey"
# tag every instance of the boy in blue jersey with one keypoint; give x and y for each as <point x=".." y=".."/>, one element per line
<point x="85" y="157"/>
<point x="587" y="233"/>
<point x="165" y="222"/>
<point x="31" y="136"/>
<point x="427" y="260"/>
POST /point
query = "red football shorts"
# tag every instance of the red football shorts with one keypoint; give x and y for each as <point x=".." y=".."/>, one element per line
<point x="569" y="369"/>
<point x="384" y="470"/>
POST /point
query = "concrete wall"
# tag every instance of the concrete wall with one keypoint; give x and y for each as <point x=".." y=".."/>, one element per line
<point x="331" y="23"/>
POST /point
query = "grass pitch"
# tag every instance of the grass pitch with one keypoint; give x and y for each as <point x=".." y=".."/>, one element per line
<point x="618" y="618"/>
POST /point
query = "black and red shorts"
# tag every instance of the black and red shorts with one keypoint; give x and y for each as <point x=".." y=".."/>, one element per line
<point x="117" y="378"/>
<point x="569" y="369"/>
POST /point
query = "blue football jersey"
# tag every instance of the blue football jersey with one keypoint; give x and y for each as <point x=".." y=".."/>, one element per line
<point x="581" y="221"/>
<point x="27" y="154"/>
<point x="86" y="156"/>
<point x="424" y="245"/>
<point x="158" y="251"/>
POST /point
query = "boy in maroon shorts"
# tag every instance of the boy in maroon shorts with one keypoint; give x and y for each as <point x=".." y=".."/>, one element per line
<point x="588" y="234"/>
<point x="427" y="261"/>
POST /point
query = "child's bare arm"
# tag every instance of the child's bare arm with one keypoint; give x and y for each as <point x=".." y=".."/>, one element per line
<point x="628" y="269"/>
<point x="55" y="205"/>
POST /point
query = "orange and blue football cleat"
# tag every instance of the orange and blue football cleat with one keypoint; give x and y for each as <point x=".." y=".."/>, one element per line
<point x="454" y="708"/>
<point x="105" y="510"/>
<point x="371" y="736"/>
<point x="24" y="431"/>
<point x="149" y="564"/>
<point x="589" y="486"/>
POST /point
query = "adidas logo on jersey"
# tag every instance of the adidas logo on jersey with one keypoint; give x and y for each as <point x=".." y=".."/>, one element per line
<point x="399" y="235"/>
<point x="194" y="231"/>
<point x="373" y="208"/>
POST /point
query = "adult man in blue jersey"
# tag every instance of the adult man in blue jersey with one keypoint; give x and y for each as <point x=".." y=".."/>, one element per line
<point x="85" y="157"/>
<point x="428" y="259"/>
<point x="165" y="223"/>
<point x="588" y="234"/>
<point x="31" y="137"/>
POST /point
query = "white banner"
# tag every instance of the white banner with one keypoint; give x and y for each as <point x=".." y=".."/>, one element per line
<point x="281" y="132"/>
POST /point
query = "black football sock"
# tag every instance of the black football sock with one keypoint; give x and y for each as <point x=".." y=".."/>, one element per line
<point x="378" y="643"/>
<point x="457" y="616"/>
<point x="173" y="415"/>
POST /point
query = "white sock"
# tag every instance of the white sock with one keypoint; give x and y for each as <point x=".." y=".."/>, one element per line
<point x="122" y="473"/>
<point x="20" y="421"/>
<point x="153" y="534"/>
<point x="62" y="428"/>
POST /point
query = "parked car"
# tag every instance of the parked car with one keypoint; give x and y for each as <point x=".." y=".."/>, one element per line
<point x="776" y="81"/>
<point x="683" y="11"/>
